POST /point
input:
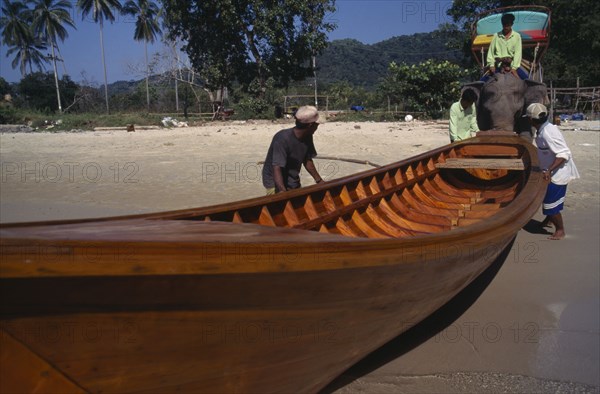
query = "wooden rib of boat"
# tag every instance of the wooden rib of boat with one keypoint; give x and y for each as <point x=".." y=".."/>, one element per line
<point x="273" y="294"/>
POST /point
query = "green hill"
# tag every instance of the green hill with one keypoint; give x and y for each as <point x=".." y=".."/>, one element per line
<point x="363" y="65"/>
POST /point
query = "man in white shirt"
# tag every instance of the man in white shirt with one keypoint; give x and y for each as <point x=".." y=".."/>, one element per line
<point x="557" y="165"/>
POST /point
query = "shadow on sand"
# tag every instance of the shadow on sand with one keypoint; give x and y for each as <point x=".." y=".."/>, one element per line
<point x="432" y="325"/>
<point x="535" y="227"/>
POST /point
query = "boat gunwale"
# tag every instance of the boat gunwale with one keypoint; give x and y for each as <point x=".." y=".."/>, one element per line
<point x="511" y="211"/>
<point x="504" y="226"/>
<point x="186" y="213"/>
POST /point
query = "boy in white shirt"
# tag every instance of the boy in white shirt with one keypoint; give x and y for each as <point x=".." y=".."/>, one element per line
<point x="557" y="165"/>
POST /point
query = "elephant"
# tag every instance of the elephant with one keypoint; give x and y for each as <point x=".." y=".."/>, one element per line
<point x="502" y="101"/>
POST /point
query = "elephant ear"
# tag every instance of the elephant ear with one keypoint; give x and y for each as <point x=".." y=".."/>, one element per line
<point x="531" y="82"/>
<point x="536" y="93"/>
<point x="477" y="85"/>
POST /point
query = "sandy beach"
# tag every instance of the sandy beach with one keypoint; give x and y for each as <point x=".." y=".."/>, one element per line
<point x="115" y="172"/>
<point x="530" y="324"/>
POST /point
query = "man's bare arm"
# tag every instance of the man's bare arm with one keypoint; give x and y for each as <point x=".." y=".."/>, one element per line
<point x="278" y="179"/>
<point x="312" y="170"/>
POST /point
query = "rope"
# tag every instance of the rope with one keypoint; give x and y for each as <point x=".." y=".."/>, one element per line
<point x="535" y="51"/>
<point x="366" y="162"/>
<point x="482" y="59"/>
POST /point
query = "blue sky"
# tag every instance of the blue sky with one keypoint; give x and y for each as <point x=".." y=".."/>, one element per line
<point x="368" y="21"/>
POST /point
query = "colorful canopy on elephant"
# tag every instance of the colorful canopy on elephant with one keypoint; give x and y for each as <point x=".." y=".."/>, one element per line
<point x="531" y="22"/>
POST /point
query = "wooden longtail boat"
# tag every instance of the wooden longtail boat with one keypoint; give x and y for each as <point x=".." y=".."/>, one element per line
<point x="273" y="294"/>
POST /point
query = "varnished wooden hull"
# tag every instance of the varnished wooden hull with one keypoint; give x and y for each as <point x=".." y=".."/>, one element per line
<point x="171" y="301"/>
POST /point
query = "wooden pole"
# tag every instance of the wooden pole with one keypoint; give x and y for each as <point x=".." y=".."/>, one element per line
<point x="593" y="102"/>
<point x="314" y="65"/>
<point x="551" y="101"/>
<point x="577" y="100"/>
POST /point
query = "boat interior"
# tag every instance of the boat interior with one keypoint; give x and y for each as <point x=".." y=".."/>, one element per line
<point x="454" y="187"/>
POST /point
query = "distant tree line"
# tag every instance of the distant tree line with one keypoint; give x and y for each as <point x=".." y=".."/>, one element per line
<point x="29" y="27"/>
<point x="428" y="87"/>
<point x="260" y="51"/>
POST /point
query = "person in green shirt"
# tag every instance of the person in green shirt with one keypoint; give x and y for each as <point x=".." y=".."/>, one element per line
<point x="505" y="51"/>
<point x="463" y="117"/>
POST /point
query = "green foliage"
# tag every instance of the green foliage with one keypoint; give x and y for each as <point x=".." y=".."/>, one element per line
<point x="28" y="32"/>
<point x="365" y="116"/>
<point x="37" y="91"/>
<point x="250" y="39"/>
<point x="87" y="99"/>
<point x="249" y="46"/>
<point x="16" y="24"/>
<point x="429" y="87"/>
<point x="5" y="87"/>
<point x="256" y="102"/>
<point x="574" y="43"/>
<point x="5" y="115"/>
<point x="364" y="65"/>
<point x="99" y="10"/>
<point x="7" y="109"/>
<point x="464" y="12"/>
<point x="8" y="114"/>
<point x="254" y="108"/>
<point x="146" y="22"/>
<point x="50" y="18"/>
<point x="134" y="100"/>
<point x="146" y="29"/>
<point x="341" y="94"/>
<point x="15" y="21"/>
<point x="85" y="121"/>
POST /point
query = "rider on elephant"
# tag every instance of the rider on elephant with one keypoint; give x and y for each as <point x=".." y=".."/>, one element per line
<point x="505" y="49"/>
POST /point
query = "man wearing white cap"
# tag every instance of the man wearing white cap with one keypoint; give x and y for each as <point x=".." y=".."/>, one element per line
<point x="289" y="150"/>
<point x="557" y="165"/>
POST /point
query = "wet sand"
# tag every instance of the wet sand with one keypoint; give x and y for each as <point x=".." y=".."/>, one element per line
<point x="531" y="323"/>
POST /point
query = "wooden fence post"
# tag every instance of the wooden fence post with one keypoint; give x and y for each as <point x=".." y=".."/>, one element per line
<point x="577" y="102"/>
<point x="552" y="98"/>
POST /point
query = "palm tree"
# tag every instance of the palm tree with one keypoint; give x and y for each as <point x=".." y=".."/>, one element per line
<point x="30" y="53"/>
<point x="146" y="28"/>
<point x="100" y="10"/>
<point x="16" y="32"/>
<point x="49" y="18"/>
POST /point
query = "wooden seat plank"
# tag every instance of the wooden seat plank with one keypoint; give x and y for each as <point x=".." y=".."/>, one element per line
<point x="494" y="164"/>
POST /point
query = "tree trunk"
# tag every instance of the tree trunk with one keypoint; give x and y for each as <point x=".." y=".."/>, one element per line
<point x="185" y="102"/>
<point x="23" y="65"/>
<point x="104" y="66"/>
<point x="56" y="78"/>
<point x="259" y="63"/>
<point x="178" y="76"/>
<point x="147" y="72"/>
<point x="176" y="95"/>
